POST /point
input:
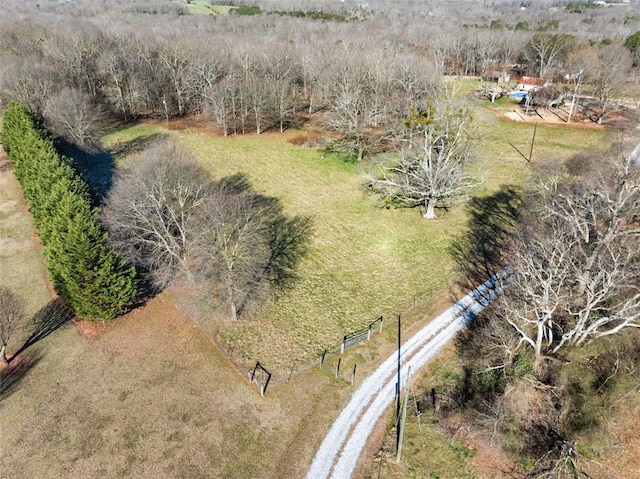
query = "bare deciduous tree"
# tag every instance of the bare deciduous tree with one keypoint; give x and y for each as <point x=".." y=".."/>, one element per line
<point x="236" y="241"/>
<point x="29" y="82"/>
<point x="167" y="216"/>
<point x="249" y="247"/>
<point x="11" y="313"/>
<point x="607" y="69"/>
<point x="71" y="115"/>
<point x="431" y="171"/>
<point x="576" y="262"/>
<point x="545" y="50"/>
<point x="151" y="208"/>
<point x="493" y="91"/>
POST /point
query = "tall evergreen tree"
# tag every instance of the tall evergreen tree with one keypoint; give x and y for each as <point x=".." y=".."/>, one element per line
<point x="93" y="280"/>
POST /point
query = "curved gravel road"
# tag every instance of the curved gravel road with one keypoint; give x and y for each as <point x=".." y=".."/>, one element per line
<point x="341" y="448"/>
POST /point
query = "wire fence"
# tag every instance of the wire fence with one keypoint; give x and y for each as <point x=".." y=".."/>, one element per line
<point x="330" y="359"/>
<point x="259" y="375"/>
<point x="360" y="336"/>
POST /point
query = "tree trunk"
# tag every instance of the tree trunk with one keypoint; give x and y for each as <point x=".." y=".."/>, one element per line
<point x="234" y="312"/>
<point x="3" y="355"/>
<point x="430" y="205"/>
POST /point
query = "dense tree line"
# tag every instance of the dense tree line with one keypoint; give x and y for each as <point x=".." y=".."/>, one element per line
<point x="559" y="347"/>
<point x="259" y="72"/>
<point x="94" y="281"/>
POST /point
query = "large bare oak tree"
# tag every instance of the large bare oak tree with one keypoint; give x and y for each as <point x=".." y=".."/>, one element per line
<point x="431" y="170"/>
<point x="576" y="261"/>
<point x="170" y="218"/>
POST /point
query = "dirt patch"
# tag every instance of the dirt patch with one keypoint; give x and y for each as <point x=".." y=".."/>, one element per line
<point x="89" y="330"/>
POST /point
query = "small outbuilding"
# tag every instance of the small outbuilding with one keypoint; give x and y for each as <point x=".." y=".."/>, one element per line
<point x="529" y="84"/>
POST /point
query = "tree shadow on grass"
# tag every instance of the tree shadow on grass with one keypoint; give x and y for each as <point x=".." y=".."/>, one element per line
<point x="5" y="164"/>
<point x="46" y="321"/>
<point x="480" y="252"/>
<point x="12" y="374"/>
<point x="97" y="166"/>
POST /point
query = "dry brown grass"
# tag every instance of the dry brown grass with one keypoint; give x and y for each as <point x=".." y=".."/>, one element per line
<point x="151" y="397"/>
<point x="21" y="266"/>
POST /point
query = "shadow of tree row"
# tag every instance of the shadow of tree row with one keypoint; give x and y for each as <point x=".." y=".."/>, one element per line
<point x="97" y="166"/>
<point x="47" y="320"/>
<point x="480" y="252"/>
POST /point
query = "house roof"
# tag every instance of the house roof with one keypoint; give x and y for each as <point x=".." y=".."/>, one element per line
<point x="532" y="81"/>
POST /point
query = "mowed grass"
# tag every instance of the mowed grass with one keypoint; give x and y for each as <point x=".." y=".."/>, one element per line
<point x="204" y="7"/>
<point x="502" y="143"/>
<point x="363" y="261"/>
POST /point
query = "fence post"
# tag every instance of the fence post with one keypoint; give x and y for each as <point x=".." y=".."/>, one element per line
<point x="353" y="376"/>
<point x="369" y="333"/>
<point x="344" y="339"/>
<point x="324" y="353"/>
<point x="338" y="367"/>
<point x="264" y="389"/>
<point x="381" y="320"/>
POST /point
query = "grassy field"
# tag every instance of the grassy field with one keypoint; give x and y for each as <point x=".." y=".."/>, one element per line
<point x="204" y="7"/>
<point x="150" y="396"/>
<point x="364" y="261"/>
<point x="21" y="266"/>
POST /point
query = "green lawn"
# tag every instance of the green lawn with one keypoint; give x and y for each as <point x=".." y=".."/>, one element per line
<point x="498" y="161"/>
<point x="364" y="261"/>
<point x="204" y="7"/>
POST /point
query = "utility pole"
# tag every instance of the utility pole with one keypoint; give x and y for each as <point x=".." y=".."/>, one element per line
<point x="403" y="419"/>
<point x="533" y="139"/>
<point x="399" y="366"/>
<point x="166" y="109"/>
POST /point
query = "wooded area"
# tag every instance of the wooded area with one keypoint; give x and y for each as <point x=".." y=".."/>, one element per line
<point x="251" y="73"/>
<point x="541" y="367"/>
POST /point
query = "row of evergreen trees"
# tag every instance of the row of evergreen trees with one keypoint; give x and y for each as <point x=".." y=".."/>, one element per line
<point x="91" y="278"/>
